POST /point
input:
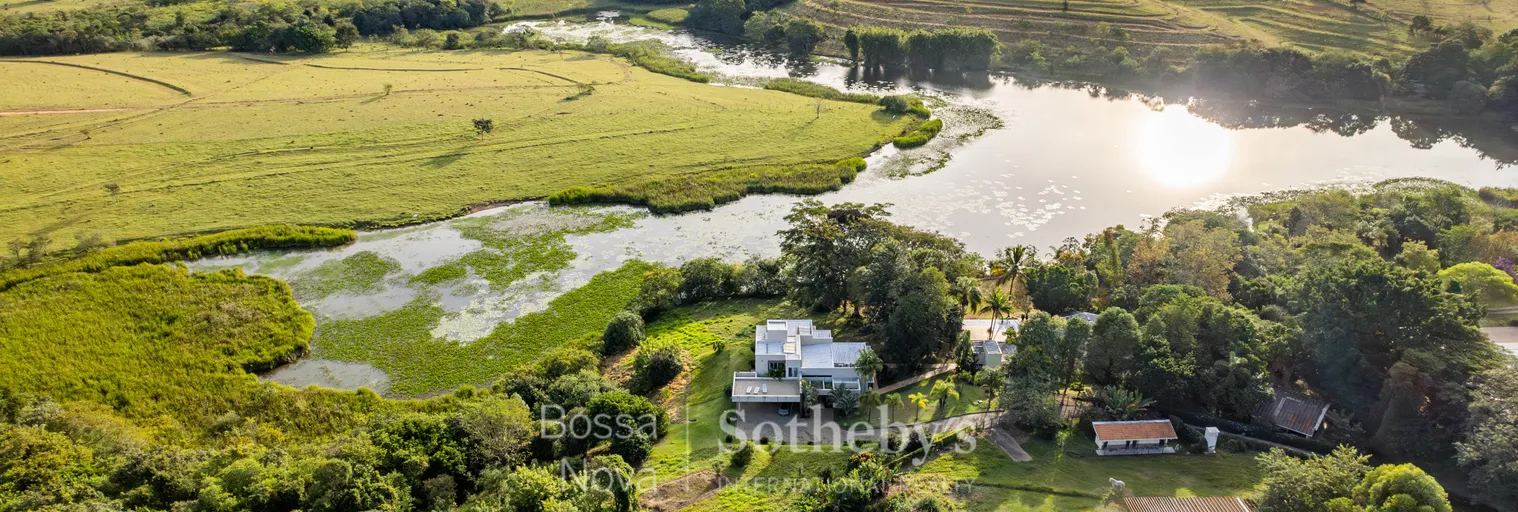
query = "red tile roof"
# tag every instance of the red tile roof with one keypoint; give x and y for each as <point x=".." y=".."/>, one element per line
<point x="1133" y="430"/>
<point x="1165" y="504"/>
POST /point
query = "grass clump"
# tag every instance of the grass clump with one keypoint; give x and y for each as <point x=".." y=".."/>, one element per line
<point x="160" y="251"/>
<point x="669" y="16"/>
<point x="149" y="340"/>
<point x="920" y="136"/>
<point x="815" y="90"/>
<point x="703" y="192"/>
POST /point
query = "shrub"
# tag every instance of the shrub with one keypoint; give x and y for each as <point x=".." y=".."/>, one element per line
<point x="656" y="368"/>
<point x="743" y="455"/>
<point x="625" y="331"/>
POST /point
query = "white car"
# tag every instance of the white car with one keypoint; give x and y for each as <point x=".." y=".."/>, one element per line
<point x="785" y="410"/>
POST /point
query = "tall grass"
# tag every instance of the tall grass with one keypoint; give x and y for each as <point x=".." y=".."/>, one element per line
<point x="160" y="251"/>
<point x="703" y="192"/>
<point x="815" y="90"/>
<point x="921" y="135"/>
<point x="148" y="340"/>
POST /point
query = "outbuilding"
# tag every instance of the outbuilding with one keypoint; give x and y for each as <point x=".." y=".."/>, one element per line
<point x="1146" y="437"/>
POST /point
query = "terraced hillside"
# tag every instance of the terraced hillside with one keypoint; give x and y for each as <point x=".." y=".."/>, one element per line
<point x="140" y="145"/>
<point x="1376" y="28"/>
<point x="1136" y="25"/>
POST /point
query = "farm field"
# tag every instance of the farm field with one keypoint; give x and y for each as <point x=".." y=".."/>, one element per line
<point x="1376" y="28"/>
<point x="145" y="145"/>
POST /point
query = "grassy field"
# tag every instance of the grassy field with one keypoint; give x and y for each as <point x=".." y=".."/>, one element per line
<point x="370" y="136"/>
<point x="130" y="337"/>
<point x="1075" y="478"/>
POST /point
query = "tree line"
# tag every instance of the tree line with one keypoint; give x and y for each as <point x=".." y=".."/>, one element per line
<point x="274" y="27"/>
<point x="947" y="50"/>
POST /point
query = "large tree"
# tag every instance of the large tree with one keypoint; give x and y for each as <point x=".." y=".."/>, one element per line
<point x="925" y="321"/>
<point x="1059" y="288"/>
<point x="1110" y="355"/>
<point x="824" y="246"/>
<point x="1295" y="484"/>
<point x="1366" y="317"/>
<point x="1490" y="448"/>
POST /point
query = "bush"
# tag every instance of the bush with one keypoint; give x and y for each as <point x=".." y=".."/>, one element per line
<point x="656" y="368"/>
<point x="625" y="331"/>
<point x="743" y="455"/>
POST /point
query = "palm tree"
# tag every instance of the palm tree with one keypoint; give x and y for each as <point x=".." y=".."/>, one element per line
<point x="991" y="379"/>
<point x="867" y="365"/>
<point x="944" y="390"/>
<point x="892" y="400"/>
<point x="969" y="293"/>
<point x="920" y="401"/>
<point x="869" y="400"/>
<point x="1123" y="404"/>
<point x="999" y="304"/>
<point x="1008" y="265"/>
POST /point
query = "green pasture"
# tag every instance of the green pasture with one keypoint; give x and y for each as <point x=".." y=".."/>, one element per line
<point x="372" y="136"/>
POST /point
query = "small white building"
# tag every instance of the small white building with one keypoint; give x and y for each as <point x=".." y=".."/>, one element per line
<point x="988" y="339"/>
<point x="1147" y="437"/>
<point x="794" y="350"/>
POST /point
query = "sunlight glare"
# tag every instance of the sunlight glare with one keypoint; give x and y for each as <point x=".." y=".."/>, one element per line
<point x="1179" y="150"/>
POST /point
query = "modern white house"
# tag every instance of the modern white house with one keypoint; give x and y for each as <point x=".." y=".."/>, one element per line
<point x="789" y="351"/>
<point x="1147" y="437"/>
<point x="988" y="339"/>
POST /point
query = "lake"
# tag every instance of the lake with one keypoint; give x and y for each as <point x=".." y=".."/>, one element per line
<point x="1054" y="161"/>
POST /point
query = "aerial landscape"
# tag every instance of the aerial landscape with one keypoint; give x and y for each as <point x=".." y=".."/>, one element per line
<point x="759" y="255"/>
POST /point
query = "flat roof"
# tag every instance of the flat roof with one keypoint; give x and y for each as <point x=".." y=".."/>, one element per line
<point x="830" y="355"/>
<point x="1133" y="430"/>
<point x="764" y="389"/>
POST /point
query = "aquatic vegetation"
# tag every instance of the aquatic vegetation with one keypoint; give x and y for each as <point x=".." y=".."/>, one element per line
<point x="921" y="135"/>
<point x="357" y="273"/>
<point x="527" y="241"/>
<point x="401" y="343"/>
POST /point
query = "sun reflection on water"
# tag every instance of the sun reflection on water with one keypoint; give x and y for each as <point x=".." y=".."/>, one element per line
<point x="1179" y="150"/>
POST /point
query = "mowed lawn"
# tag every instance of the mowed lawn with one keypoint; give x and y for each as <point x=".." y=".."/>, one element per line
<point x="1075" y="478"/>
<point x="371" y="135"/>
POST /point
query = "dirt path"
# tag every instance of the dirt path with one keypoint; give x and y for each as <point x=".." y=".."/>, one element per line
<point x="76" y="111"/>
